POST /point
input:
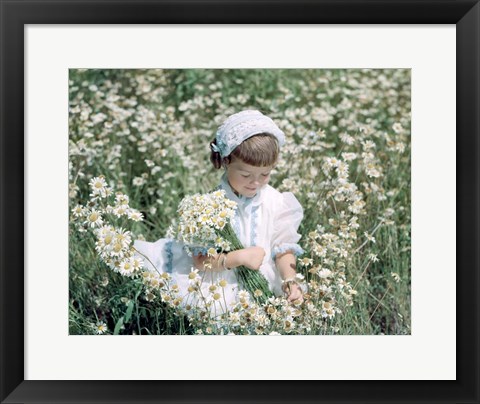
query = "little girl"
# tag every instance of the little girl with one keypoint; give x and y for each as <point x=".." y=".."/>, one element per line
<point x="266" y="221"/>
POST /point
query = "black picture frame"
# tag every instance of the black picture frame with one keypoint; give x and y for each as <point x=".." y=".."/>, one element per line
<point x="15" y="14"/>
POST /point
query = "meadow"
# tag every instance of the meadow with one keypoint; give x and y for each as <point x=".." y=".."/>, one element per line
<point x="146" y="133"/>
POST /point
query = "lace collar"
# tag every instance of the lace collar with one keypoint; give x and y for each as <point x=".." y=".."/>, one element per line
<point x="241" y="200"/>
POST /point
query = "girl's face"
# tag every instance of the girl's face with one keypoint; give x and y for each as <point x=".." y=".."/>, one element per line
<point x="245" y="179"/>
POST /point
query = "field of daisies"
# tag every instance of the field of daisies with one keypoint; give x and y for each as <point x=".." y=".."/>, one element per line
<point x="139" y="144"/>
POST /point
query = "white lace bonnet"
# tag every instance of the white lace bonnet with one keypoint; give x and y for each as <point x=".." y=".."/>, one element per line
<point x="241" y="126"/>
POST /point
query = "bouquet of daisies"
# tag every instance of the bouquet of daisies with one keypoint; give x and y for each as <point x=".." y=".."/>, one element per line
<point x="204" y="225"/>
<point x="114" y="244"/>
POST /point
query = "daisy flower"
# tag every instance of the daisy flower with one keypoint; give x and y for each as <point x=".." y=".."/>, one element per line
<point x="134" y="215"/>
<point x="121" y="199"/>
<point x="397" y="127"/>
<point x="137" y="263"/>
<point x="98" y="185"/>
<point x="94" y="218"/>
<point x="138" y="182"/>
<point x="101" y="328"/>
<point x="234" y="319"/>
<point x="78" y="211"/>
<point x="243" y="295"/>
<point x="347" y="139"/>
<point x="120" y="210"/>
<point x="306" y="261"/>
<point x="127" y="267"/>
<point x="123" y="236"/>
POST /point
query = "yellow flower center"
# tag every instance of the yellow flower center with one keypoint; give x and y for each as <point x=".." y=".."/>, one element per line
<point x="93" y="217"/>
<point x="211" y="251"/>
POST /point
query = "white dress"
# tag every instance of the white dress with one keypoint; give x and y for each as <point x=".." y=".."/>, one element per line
<point x="270" y="220"/>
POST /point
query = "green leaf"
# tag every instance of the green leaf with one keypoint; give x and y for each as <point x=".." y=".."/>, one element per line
<point x="118" y="326"/>
<point x="128" y="314"/>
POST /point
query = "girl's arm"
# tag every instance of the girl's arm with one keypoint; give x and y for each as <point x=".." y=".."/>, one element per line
<point x="286" y="267"/>
<point x="250" y="257"/>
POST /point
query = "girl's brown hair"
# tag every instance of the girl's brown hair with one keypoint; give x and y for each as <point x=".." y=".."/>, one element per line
<point x="259" y="150"/>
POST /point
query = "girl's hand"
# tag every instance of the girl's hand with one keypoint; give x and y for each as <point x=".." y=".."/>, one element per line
<point x="252" y="257"/>
<point x="208" y="263"/>
<point x="294" y="293"/>
<point x="199" y="261"/>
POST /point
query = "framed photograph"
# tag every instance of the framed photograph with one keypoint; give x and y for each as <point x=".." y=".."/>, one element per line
<point x="355" y="119"/>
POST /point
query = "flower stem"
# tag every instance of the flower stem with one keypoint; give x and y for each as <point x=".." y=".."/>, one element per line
<point x="251" y="280"/>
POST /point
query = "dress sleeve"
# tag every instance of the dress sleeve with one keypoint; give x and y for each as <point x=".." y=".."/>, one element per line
<point x="285" y="226"/>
